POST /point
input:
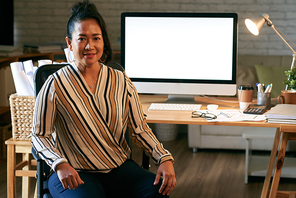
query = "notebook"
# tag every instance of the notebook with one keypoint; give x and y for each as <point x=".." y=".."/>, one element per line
<point x="282" y="111"/>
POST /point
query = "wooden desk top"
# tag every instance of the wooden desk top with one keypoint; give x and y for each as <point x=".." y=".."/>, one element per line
<point x="184" y="117"/>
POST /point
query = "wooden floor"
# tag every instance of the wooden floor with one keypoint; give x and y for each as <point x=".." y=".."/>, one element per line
<point x="209" y="173"/>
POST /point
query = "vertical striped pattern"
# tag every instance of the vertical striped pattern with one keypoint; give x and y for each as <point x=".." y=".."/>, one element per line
<point x="90" y="128"/>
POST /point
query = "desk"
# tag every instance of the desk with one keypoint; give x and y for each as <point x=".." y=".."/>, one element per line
<point x="22" y="169"/>
<point x="182" y="117"/>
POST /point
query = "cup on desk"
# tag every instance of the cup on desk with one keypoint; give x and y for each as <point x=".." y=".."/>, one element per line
<point x="287" y="97"/>
<point x="245" y="95"/>
<point x="264" y="99"/>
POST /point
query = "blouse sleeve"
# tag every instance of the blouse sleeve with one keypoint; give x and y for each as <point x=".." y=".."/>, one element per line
<point x="141" y="133"/>
<point x="43" y="125"/>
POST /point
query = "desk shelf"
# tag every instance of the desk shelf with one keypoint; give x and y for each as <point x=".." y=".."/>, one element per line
<point x="5" y="61"/>
<point x="258" y="166"/>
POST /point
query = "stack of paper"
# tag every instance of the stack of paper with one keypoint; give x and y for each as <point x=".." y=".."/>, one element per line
<point x="282" y="113"/>
<point x="233" y="115"/>
<point x="23" y="73"/>
<point x="23" y="79"/>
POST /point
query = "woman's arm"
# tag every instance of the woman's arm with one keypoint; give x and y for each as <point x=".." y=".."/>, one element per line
<point x="43" y="125"/>
<point x="142" y="135"/>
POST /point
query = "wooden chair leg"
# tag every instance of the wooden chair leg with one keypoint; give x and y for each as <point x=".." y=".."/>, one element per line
<point x="11" y="180"/>
<point x="26" y="179"/>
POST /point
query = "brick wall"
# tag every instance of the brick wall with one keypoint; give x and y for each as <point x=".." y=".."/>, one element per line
<point x="38" y="21"/>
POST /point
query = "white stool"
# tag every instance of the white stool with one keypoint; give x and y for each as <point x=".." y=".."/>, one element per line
<point x="256" y="165"/>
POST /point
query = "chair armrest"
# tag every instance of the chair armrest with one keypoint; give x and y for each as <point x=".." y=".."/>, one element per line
<point x="145" y="161"/>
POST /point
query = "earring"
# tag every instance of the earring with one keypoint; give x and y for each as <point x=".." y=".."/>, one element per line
<point x="69" y="57"/>
<point x="104" y="58"/>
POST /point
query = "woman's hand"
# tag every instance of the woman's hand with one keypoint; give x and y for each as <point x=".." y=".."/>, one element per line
<point x="68" y="176"/>
<point x="166" y="170"/>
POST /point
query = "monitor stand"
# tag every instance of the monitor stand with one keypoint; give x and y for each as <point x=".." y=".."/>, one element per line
<point x="180" y="99"/>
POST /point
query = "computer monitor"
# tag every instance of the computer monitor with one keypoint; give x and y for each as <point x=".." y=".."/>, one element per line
<point x="181" y="54"/>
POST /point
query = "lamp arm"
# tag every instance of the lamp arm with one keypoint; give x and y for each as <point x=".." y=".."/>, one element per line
<point x="272" y="26"/>
<point x="294" y="53"/>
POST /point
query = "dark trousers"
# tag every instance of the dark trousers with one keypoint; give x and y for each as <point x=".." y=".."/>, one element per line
<point x="129" y="180"/>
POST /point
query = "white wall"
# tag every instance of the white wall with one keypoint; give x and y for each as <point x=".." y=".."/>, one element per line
<point x="38" y="21"/>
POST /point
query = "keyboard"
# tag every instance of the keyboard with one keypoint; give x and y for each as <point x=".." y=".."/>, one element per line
<point x="173" y="106"/>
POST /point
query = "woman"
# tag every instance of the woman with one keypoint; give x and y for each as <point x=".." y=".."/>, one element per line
<point x="90" y="106"/>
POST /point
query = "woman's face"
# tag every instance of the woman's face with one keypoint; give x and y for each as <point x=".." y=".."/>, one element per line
<point x="87" y="42"/>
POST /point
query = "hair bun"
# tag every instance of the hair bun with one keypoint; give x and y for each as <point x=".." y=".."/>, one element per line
<point x="83" y="7"/>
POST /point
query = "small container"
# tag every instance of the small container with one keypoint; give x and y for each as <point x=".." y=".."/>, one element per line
<point x="264" y="99"/>
<point x="245" y="95"/>
<point x="166" y="132"/>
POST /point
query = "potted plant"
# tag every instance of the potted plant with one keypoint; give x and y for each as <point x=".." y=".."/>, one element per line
<point x="290" y="81"/>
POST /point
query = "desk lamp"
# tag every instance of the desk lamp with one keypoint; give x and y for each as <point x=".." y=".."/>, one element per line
<point x="254" y="25"/>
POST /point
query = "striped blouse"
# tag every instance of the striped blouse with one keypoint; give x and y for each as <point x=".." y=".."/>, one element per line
<point x="90" y="128"/>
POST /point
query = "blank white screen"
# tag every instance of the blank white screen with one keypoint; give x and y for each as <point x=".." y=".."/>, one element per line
<point x="179" y="48"/>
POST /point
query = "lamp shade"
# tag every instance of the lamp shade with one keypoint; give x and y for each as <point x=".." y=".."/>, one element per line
<point x="254" y="25"/>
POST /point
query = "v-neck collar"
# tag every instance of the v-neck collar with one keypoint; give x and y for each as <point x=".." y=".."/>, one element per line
<point x="84" y="81"/>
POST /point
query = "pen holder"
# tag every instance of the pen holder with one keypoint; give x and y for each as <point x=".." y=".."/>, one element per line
<point x="263" y="99"/>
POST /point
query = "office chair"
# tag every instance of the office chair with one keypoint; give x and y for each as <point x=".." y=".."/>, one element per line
<point x="43" y="170"/>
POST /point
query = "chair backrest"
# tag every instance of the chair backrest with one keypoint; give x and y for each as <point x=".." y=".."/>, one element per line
<point x="117" y="66"/>
<point x="42" y="74"/>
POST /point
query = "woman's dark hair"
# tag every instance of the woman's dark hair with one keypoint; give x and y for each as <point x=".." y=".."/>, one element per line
<point x="87" y="10"/>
